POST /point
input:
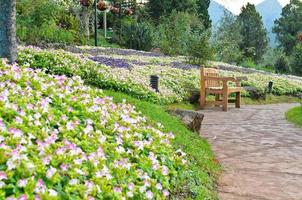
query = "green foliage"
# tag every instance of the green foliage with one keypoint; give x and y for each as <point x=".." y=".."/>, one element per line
<point x="296" y="60"/>
<point x="159" y="8"/>
<point x="174" y="33"/>
<point x="47" y="21"/>
<point x="254" y="35"/>
<point x="137" y="35"/>
<point x="202" y="12"/>
<point x="294" y="115"/>
<point x="248" y="63"/>
<point x="288" y="26"/>
<point x="199" y="51"/>
<point x="282" y="64"/>
<point x="227" y="39"/>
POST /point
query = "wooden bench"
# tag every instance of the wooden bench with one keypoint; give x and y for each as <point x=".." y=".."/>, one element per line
<point x="212" y="83"/>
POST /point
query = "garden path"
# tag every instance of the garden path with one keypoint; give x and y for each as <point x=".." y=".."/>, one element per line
<point x="260" y="151"/>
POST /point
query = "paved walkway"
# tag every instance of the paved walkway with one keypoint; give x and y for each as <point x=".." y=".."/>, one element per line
<point x="260" y="151"/>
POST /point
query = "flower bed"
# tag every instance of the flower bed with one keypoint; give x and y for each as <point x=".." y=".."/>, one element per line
<point x="60" y="139"/>
<point x="130" y="73"/>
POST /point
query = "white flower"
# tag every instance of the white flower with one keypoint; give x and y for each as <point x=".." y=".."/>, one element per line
<point x="22" y="183"/>
<point x="129" y="194"/>
<point x="52" y="193"/>
<point x="149" y="195"/>
<point x="73" y="181"/>
<point x="50" y="172"/>
<point x="159" y="186"/>
<point x="2" y="184"/>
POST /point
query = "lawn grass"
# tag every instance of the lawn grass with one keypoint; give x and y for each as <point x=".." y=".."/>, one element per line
<point x="270" y="99"/>
<point x="200" y="178"/>
<point x="294" y="115"/>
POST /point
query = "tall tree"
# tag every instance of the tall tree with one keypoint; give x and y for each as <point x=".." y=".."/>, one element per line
<point x="158" y="8"/>
<point x="202" y="11"/>
<point x="254" y="35"/>
<point x="8" y="42"/>
<point x="227" y="39"/>
<point x="289" y="25"/>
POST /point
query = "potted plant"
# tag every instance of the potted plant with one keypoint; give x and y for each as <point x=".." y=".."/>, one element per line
<point x="300" y="37"/>
<point x="128" y="11"/>
<point x="102" y="6"/>
<point x="85" y="2"/>
<point x="115" y="10"/>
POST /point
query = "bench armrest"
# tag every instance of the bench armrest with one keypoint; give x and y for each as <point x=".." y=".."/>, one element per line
<point x="241" y="78"/>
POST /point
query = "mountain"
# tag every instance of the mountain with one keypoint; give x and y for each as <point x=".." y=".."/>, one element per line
<point x="270" y="10"/>
<point x="216" y="12"/>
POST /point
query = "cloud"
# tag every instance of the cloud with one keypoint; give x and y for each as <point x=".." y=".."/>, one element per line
<point x="235" y="5"/>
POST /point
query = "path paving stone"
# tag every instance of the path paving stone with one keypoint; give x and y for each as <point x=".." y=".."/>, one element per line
<point x="260" y="151"/>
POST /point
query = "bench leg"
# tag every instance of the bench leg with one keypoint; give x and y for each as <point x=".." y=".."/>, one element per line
<point x="238" y="100"/>
<point x="217" y="99"/>
<point x="225" y="102"/>
<point x="202" y="100"/>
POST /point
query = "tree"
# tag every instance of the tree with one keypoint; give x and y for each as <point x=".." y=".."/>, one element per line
<point x="8" y="42"/>
<point x="158" y="8"/>
<point x="202" y="11"/>
<point x="296" y="60"/>
<point x="288" y="26"/>
<point x="254" y="35"/>
<point x="227" y="39"/>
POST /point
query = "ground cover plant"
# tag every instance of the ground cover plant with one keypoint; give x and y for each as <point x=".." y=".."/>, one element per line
<point x="65" y="140"/>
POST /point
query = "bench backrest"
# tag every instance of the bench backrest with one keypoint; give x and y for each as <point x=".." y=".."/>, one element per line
<point x="204" y="72"/>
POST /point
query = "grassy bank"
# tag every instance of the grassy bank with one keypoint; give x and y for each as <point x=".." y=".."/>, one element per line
<point x="202" y="172"/>
<point x="294" y="115"/>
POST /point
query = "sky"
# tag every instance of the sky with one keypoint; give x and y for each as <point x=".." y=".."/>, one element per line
<point x="235" y="5"/>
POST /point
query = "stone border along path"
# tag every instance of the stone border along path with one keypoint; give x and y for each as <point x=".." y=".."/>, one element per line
<point x="260" y="151"/>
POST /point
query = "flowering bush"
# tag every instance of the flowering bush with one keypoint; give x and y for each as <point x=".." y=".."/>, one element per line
<point x="60" y="139"/>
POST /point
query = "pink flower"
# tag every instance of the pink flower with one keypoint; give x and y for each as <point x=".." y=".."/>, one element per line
<point x="64" y="167"/>
<point x="23" y="197"/>
<point x="40" y="187"/>
<point x="117" y="189"/>
<point x="130" y="186"/>
<point x="15" y="132"/>
<point x="70" y="125"/>
<point x="37" y="197"/>
<point x="22" y="183"/>
<point x="165" y="171"/>
<point x="3" y="175"/>
<point x="166" y="193"/>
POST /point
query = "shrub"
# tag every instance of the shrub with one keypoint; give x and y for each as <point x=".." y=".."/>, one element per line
<point x="173" y="32"/>
<point x="63" y="140"/>
<point x="199" y="51"/>
<point x="137" y="35"/>
<point x="282" y="64"/>
<point x="45" y="21"/>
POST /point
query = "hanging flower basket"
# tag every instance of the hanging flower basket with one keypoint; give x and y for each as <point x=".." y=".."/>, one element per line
<point x="115" y="10"/>
<point x="102" y="6"/>
<point x="300" y="37"/>
<point x="128" y="11"/>
<point x="85" y="2"/>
